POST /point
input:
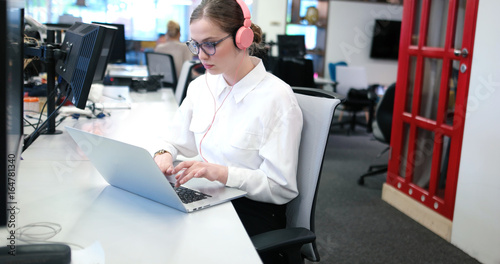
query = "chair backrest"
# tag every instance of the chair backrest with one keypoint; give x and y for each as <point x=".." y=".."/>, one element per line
<point x="350" y="77"/>
<point x="295" y="71"/>
<point x="332" y="69"/>
<point x="382" y="123"/>
<point x="317" y="107"/>
<point x="184" y="79"/>
<point x="162" y="64"/>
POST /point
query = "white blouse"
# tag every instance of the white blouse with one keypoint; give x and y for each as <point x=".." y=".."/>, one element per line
<point x="255" y="131"/>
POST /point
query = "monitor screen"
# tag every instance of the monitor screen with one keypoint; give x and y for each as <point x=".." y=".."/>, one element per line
<point x="87" y="48"/>
<point x="385" y="40"/>
<point x="11" y="106"/>
<point x="119" y="47"/>
<point x="309" y="32"/>
<point x="291" y="46"/>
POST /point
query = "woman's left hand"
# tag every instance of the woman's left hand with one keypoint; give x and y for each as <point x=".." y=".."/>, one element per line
<point x="196" y="169"/>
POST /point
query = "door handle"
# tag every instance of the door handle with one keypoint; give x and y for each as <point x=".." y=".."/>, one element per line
<point x="464" y="52"/>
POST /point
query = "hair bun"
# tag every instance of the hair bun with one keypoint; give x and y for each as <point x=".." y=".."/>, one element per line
<point x="257" y="33"/>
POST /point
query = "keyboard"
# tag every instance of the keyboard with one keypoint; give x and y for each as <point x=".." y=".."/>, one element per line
<point x="189" y="195"/>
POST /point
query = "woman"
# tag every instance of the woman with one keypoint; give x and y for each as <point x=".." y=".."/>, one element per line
<point x="244" y="122"/>
<point x="172" y="45"/>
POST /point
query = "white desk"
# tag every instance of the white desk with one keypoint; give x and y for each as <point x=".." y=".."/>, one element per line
<point x="326" y="84"/>
<point x="57" y="184"/>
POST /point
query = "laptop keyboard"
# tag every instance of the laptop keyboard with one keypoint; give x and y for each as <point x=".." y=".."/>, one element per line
<point x="188" y="195"/>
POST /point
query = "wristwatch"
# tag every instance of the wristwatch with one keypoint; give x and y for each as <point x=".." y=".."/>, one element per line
<point x="161" y="152"/>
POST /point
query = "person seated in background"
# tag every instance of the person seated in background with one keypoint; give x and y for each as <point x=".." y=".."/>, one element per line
<point x="174" y="47"/>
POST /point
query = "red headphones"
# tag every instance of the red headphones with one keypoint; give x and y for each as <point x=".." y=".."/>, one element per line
<point x="244" y="35"/>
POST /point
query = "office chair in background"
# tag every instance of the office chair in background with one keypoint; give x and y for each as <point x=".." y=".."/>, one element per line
<point x="297" y="241"/>
<point x="162" y="64"/>
<point x="333" y="71"/>
<point x="360" y="97"/>
<point x="382" y="126"/>
<point x="185" y="78"/>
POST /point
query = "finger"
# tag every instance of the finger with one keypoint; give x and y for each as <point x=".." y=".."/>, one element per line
<point x="169" y="170"/>
<point x="200" y="173"/>
<point x="182" y="165"/>
<point x="185" y="177"/>
<point x="180" y="174"/>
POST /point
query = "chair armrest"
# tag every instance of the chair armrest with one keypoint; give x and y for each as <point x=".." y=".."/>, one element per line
<point x="282" y="239"/>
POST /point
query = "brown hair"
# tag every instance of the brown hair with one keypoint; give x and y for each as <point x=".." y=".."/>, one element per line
<point x="226" y="14"/>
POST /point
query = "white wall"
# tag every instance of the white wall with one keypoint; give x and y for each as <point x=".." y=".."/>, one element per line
<point x="476" y="228"/>
<point x="270" y="16"/>
<point x="350" y="29"/>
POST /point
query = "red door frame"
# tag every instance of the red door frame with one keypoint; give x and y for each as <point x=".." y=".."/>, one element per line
<point x="447" y="54"/>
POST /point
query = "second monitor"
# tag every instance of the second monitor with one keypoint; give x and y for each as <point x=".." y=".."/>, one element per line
<point x="87" y="48"/>
<point x="291" y="46"/>
<point x="119" y="49"/>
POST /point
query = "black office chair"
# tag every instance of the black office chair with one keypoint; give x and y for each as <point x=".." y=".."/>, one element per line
<point x="356" y="101"/>
<point x="296" y="72"/>
<point x="382" y="126"/>
<point x="163" y="65"/>
<point x="297" y="241"/>
<point x="360" y="97"/>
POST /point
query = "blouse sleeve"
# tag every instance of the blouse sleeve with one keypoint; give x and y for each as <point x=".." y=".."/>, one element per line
<point x="178" y="138"/>
<point x="275" y="180"/>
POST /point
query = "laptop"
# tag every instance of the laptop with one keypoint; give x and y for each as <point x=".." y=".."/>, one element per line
<point x="132" y="169"/>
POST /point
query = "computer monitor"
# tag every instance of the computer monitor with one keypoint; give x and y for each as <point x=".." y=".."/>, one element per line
<point x="87" y="48"/>
<point x="11" y="103"/>
<point x="385" y="40"/>
<point x="310" y="33"/>
<point x="291" y="46"/>
<point x="119" y="47"/>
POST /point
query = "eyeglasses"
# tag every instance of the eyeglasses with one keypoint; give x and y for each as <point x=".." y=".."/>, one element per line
<point x="207" y="47"/>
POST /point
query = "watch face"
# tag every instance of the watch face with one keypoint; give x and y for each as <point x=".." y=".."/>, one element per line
<point x="160" y="152"/>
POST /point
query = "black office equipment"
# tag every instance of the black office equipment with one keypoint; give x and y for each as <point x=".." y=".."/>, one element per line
<point x="81" y="59"/>
<point x="291" y="46"/>
<point x="87" y="49"/>
<point x="11" y="106"/>
<point x="37" y="254"/>
<point x="11" y="134"/>
<point x="385" y="40"/>
<point x="295" y="71"/>
<point x="119" y="47"/>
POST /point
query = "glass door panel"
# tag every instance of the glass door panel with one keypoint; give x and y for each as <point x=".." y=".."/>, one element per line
<point x="436" y="31"/>
<point x="416" y="23"/>
<point x="430" y="88"/>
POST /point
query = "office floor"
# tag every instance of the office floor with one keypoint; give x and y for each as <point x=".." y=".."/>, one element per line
<point x="353" y="223"/>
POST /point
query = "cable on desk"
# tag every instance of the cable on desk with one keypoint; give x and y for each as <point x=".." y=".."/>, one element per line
<point x="41" y="232"/>
<point x="98" y="112"/>
<point x="35" y="232"/>
<point x="117" y="98"/>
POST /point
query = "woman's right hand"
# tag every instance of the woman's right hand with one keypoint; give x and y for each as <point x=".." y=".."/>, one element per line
<point x="165" y="163"/>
